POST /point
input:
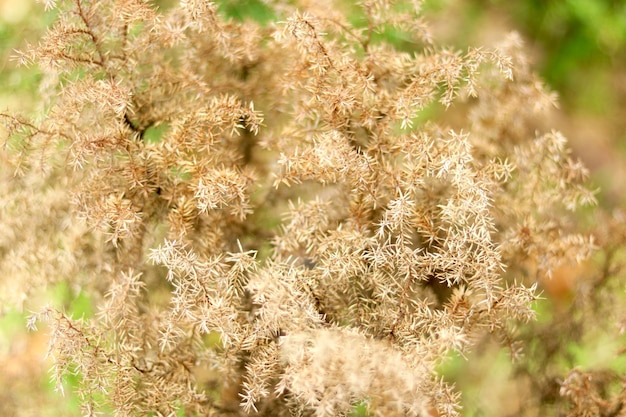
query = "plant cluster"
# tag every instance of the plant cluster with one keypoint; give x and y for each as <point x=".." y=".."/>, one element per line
<point x="267" y="217"/>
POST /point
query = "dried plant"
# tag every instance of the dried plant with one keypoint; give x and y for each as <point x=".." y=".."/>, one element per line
<point x="266" y="218"/>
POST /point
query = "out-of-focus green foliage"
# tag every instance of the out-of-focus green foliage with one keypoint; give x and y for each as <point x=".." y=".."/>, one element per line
<point x="26" y="385"/>
<point x="20" y="22"/>
<point x="246" y="9"/>
<point x="581" y="41"/>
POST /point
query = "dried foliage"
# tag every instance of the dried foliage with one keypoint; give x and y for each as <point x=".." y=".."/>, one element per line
<point x="266" y="219"/>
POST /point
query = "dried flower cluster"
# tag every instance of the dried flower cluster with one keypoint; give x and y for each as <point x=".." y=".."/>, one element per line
<point x="264" y="216"/>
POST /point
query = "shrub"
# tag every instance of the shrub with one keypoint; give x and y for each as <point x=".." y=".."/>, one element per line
<point x="276" y="218"/>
